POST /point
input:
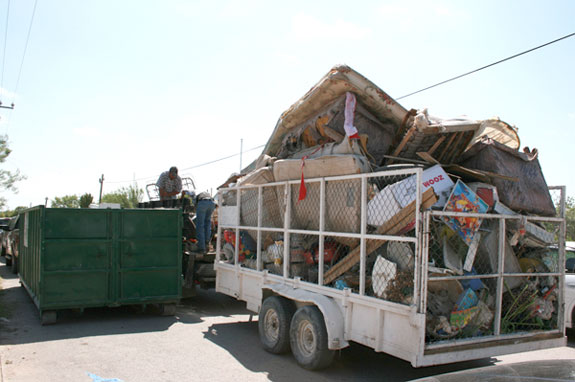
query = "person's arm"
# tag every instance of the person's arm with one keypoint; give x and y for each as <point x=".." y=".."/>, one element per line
<point x="164" y="193"/>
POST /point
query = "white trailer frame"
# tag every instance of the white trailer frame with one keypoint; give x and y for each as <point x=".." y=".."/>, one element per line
<point x="393" y="328"/>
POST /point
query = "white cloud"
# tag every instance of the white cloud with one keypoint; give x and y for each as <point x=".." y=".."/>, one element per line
<point x="306" y="28"/>
<point x="571" y="116"/>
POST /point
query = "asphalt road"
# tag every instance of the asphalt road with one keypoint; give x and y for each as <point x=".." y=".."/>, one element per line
<point x="211" y="337"/>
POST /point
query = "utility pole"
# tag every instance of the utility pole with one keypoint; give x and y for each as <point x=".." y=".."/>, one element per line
<point x="101" y="180"/>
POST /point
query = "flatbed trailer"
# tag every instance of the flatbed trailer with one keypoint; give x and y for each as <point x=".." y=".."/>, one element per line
<point x="321" y="276"/>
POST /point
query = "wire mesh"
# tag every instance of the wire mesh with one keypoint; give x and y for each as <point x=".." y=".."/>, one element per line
<point x="227" y="246"/>
<point x="343" y="205"/>
<point x="531" y="306"/>
<point x="305" y="212"/>
<point x="390" y="271"/>
<point x="556" y="196"/>
<point x="464" y="276"/>
<point x="388" y="198"/>
<point x="228" y="198"/>
<point x="460" y="308"/>
<point x="272" y="252"/>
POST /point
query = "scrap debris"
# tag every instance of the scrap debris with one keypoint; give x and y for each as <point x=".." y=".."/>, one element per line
<point x="346" y="125"/>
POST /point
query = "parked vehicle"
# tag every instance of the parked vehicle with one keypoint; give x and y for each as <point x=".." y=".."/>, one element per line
<point x="10" y="244"/>
<point x="570" y="284"/>
<point x="4" y="222"/>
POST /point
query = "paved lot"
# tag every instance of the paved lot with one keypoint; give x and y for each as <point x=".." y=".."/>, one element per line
<point x="212" y="337"/>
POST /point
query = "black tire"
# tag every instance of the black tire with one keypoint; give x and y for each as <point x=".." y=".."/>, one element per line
<point x="15" y="265"/>
<point x="308" y="338"/>
<point x="274" y="324"/>
<point x="8" y="261"/>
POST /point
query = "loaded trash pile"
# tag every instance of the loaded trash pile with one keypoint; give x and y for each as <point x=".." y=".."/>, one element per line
<point x="347" y="125"/>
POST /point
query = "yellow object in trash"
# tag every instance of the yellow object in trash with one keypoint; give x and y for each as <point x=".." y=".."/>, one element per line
<point x="529" y="265"/>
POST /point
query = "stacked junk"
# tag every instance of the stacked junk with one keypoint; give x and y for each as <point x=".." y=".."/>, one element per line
<point x="347" y="125"/>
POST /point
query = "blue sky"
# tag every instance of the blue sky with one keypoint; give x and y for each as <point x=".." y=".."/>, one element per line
<point x="129" y="88"/>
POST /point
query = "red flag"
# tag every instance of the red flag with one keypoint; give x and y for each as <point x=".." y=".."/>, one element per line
<point x="302" y="189"/>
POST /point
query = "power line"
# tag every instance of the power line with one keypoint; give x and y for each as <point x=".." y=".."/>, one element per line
<point x="192" y="167"/>
<point x="487" y="66"/>
<point x="25" y="47"/>
<point x="4" y="51"/>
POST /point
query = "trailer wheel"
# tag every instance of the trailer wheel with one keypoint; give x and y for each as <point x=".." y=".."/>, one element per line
<point x="308" y="337"/>
<point x="274" y="324"/>
<point x="49" y="317"/>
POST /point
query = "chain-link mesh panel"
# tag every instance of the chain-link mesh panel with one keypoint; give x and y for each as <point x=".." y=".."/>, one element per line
<point x="390" y="270"/>
<point x="227" y="211"/>
<point x="273" y="206"/>
<point x="341" y="263"/>
<point x="536" y="247"/>
<point x="556" y="194"/>
<point x="459" y="308"/>
<point x="272" y="252"/>
<point x="388" y="204"/>
<point x="227" y="245"/>
<point x="343" y="206"/>
<point x="447" y="250"/>
<point x="302" y="256"/>
<point x="531" y="306"/>
<point x="271" y="215"/>
<point x="305" y="212"/>
<point x="249" y="207"/>
<point x="247" y="256"/>
<point x="387" y="197"/>
<point x="460" y="305"/>
<point x="228" y="198"/>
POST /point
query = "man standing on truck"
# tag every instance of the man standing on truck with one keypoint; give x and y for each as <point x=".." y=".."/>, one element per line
<point x="204" y="209"/>
<point x="169" y="184"/>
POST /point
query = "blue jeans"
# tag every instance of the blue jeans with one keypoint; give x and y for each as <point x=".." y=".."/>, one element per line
<point x="204" y="210"/>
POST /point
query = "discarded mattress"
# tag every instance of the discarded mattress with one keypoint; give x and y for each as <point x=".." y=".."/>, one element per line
<point x="529" y="193"/>
<point x="330" y="165"/>
<point x="322" y="106"/>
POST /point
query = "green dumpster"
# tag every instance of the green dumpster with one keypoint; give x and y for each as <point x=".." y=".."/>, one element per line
<point x="79" y="258"/>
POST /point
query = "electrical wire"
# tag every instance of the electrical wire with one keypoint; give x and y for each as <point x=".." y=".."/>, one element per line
<point x="189" y="168"/>
<point x="487" y="66"/>
<point x="25" y="48"/>
<point x="4" y="51"/>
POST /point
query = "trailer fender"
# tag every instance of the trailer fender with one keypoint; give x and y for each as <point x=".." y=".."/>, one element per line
<point x="332" y="314"/>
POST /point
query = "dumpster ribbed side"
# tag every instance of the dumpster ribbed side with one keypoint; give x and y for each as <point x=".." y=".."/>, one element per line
<point x="78" y="258"/>
<point x="30" y="251"/>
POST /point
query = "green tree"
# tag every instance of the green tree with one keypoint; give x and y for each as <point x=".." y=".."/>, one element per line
<point x="14" y="212"/>
<point x="7" y="178"/>
<point x="86" y="200"/>
<point x="127" y="197"/>
<point x="67" y="201"/>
